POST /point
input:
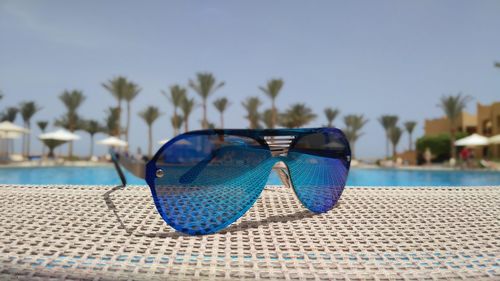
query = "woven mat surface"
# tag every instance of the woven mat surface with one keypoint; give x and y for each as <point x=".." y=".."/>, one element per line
<point x="106" y="233"/>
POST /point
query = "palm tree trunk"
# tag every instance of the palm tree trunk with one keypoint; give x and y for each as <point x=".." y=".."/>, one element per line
<point x="92" y="146"/>
<point x="118" y="120"/>
<point x="453" y="149"/>
<point x="411" y="142"/>
<point x="128" y="122"/>
<point x="43" y="149"/>
<point x="150" y="137"/>
<point x="28" y="140"/>
<point x="70" y="144"/>
<point x="24" y="143"/>
<point x="70" y="150"/>
<point x="222" y="120"/>
<point x="186" y="125"/>
<point x="386" y="144"/>
<point x="176" y="130"/>
<point x="352" y="149"/>
<point x="205" y="125"/>
<point x="394" y="151"/>
<point x="273" y="123"/>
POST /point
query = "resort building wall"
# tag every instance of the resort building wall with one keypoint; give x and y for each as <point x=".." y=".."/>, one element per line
<point x="488" y="124"/>
<point x="466" y="123"/>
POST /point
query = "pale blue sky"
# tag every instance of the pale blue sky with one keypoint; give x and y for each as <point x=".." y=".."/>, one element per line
<point x="371" y="57"/>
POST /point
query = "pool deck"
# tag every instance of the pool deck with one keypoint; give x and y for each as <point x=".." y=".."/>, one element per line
<point x="106" y="233"/>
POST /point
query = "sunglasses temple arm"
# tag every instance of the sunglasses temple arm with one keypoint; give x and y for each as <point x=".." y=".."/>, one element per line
<point x="118" y="169"/>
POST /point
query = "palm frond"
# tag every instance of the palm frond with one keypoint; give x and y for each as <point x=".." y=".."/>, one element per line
<point x="28" y="109"/>
<point x="42" y="125"/>
<point x="117" y="87"/>
<point x="296" y="116"/>
<point x="205" y="84"/>
<point x="251" y="105"/>
<point x="176" y="95"/>
<point x="221" y="104"/>
<point x="150" y="114"/>
<point x="410" y="126"/>
<point x="273" y="88"/>
<point x="331" y="114"/>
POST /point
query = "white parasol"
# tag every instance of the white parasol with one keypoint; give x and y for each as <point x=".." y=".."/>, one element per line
<point x="494" y="139"/>
<point x="472" y="140"/>
<point x="7" y="126"/>
<point x="59" y="135"/>
<point x="9" y="131"/>
<point x="113" y="141"/>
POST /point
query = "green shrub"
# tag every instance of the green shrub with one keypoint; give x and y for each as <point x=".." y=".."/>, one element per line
<point x="439" y="146"/>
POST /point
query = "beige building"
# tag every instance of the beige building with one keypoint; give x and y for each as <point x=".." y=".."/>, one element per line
<point x="486" y="123"/>
<point x="466" y="123"/>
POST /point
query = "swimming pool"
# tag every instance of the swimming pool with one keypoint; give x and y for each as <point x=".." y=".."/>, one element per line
<point x="106" y="175"/>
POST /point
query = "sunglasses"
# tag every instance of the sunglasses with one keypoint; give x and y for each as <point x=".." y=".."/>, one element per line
<point x="202" y="181"/>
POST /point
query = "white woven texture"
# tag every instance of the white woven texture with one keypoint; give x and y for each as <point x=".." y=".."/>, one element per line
<point x="105" y="233"/>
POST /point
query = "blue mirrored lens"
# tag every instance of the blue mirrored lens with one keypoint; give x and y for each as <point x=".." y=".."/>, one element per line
<point x="318" y="165"/>
<point x="206" y="182"/>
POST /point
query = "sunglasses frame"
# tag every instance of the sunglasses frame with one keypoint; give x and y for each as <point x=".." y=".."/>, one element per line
<point x="256" y="134"/>
<point x="150" y="172"/>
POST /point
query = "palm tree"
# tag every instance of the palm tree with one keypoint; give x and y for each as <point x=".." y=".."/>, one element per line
<point x="72" y="100"/>
<point x="221" y="105"/>
<point x="251" y="105"/>
<point x="27" y="110"/>
<point x="410" y="126"/>
<point x="10" y="114"/>
<point x="118" y="88"/>
<point x="354" y="124"/>
<point x="92" y="127"/>
<point x="205" y="85"/>
<point x="131" y="91"/>
<point x="272" y="89"/>
<point x="331" y="114"/>
<point x="395" y="135"/>
<point x="187" y="106"/>
<point x="453" y="107"/>
<point x="110" y="121"/>
<point x="176" y="96"/>
<point x="176" y="121"/>
<point x="267" y="118"/>
<point x="297" y="115"/>
<point x="42" y="125"/>
<point x="388" y="122"/>
<point x="149" y="115"/>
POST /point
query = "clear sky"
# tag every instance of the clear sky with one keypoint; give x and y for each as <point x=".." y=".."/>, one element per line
<point x="370" y="57"/>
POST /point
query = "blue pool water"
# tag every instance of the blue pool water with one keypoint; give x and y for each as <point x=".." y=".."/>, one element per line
<point x="357" y="177"/>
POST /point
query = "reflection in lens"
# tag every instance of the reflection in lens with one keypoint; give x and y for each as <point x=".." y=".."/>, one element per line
<point x="210" y="181"/>
<point x="318" y="167"/>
